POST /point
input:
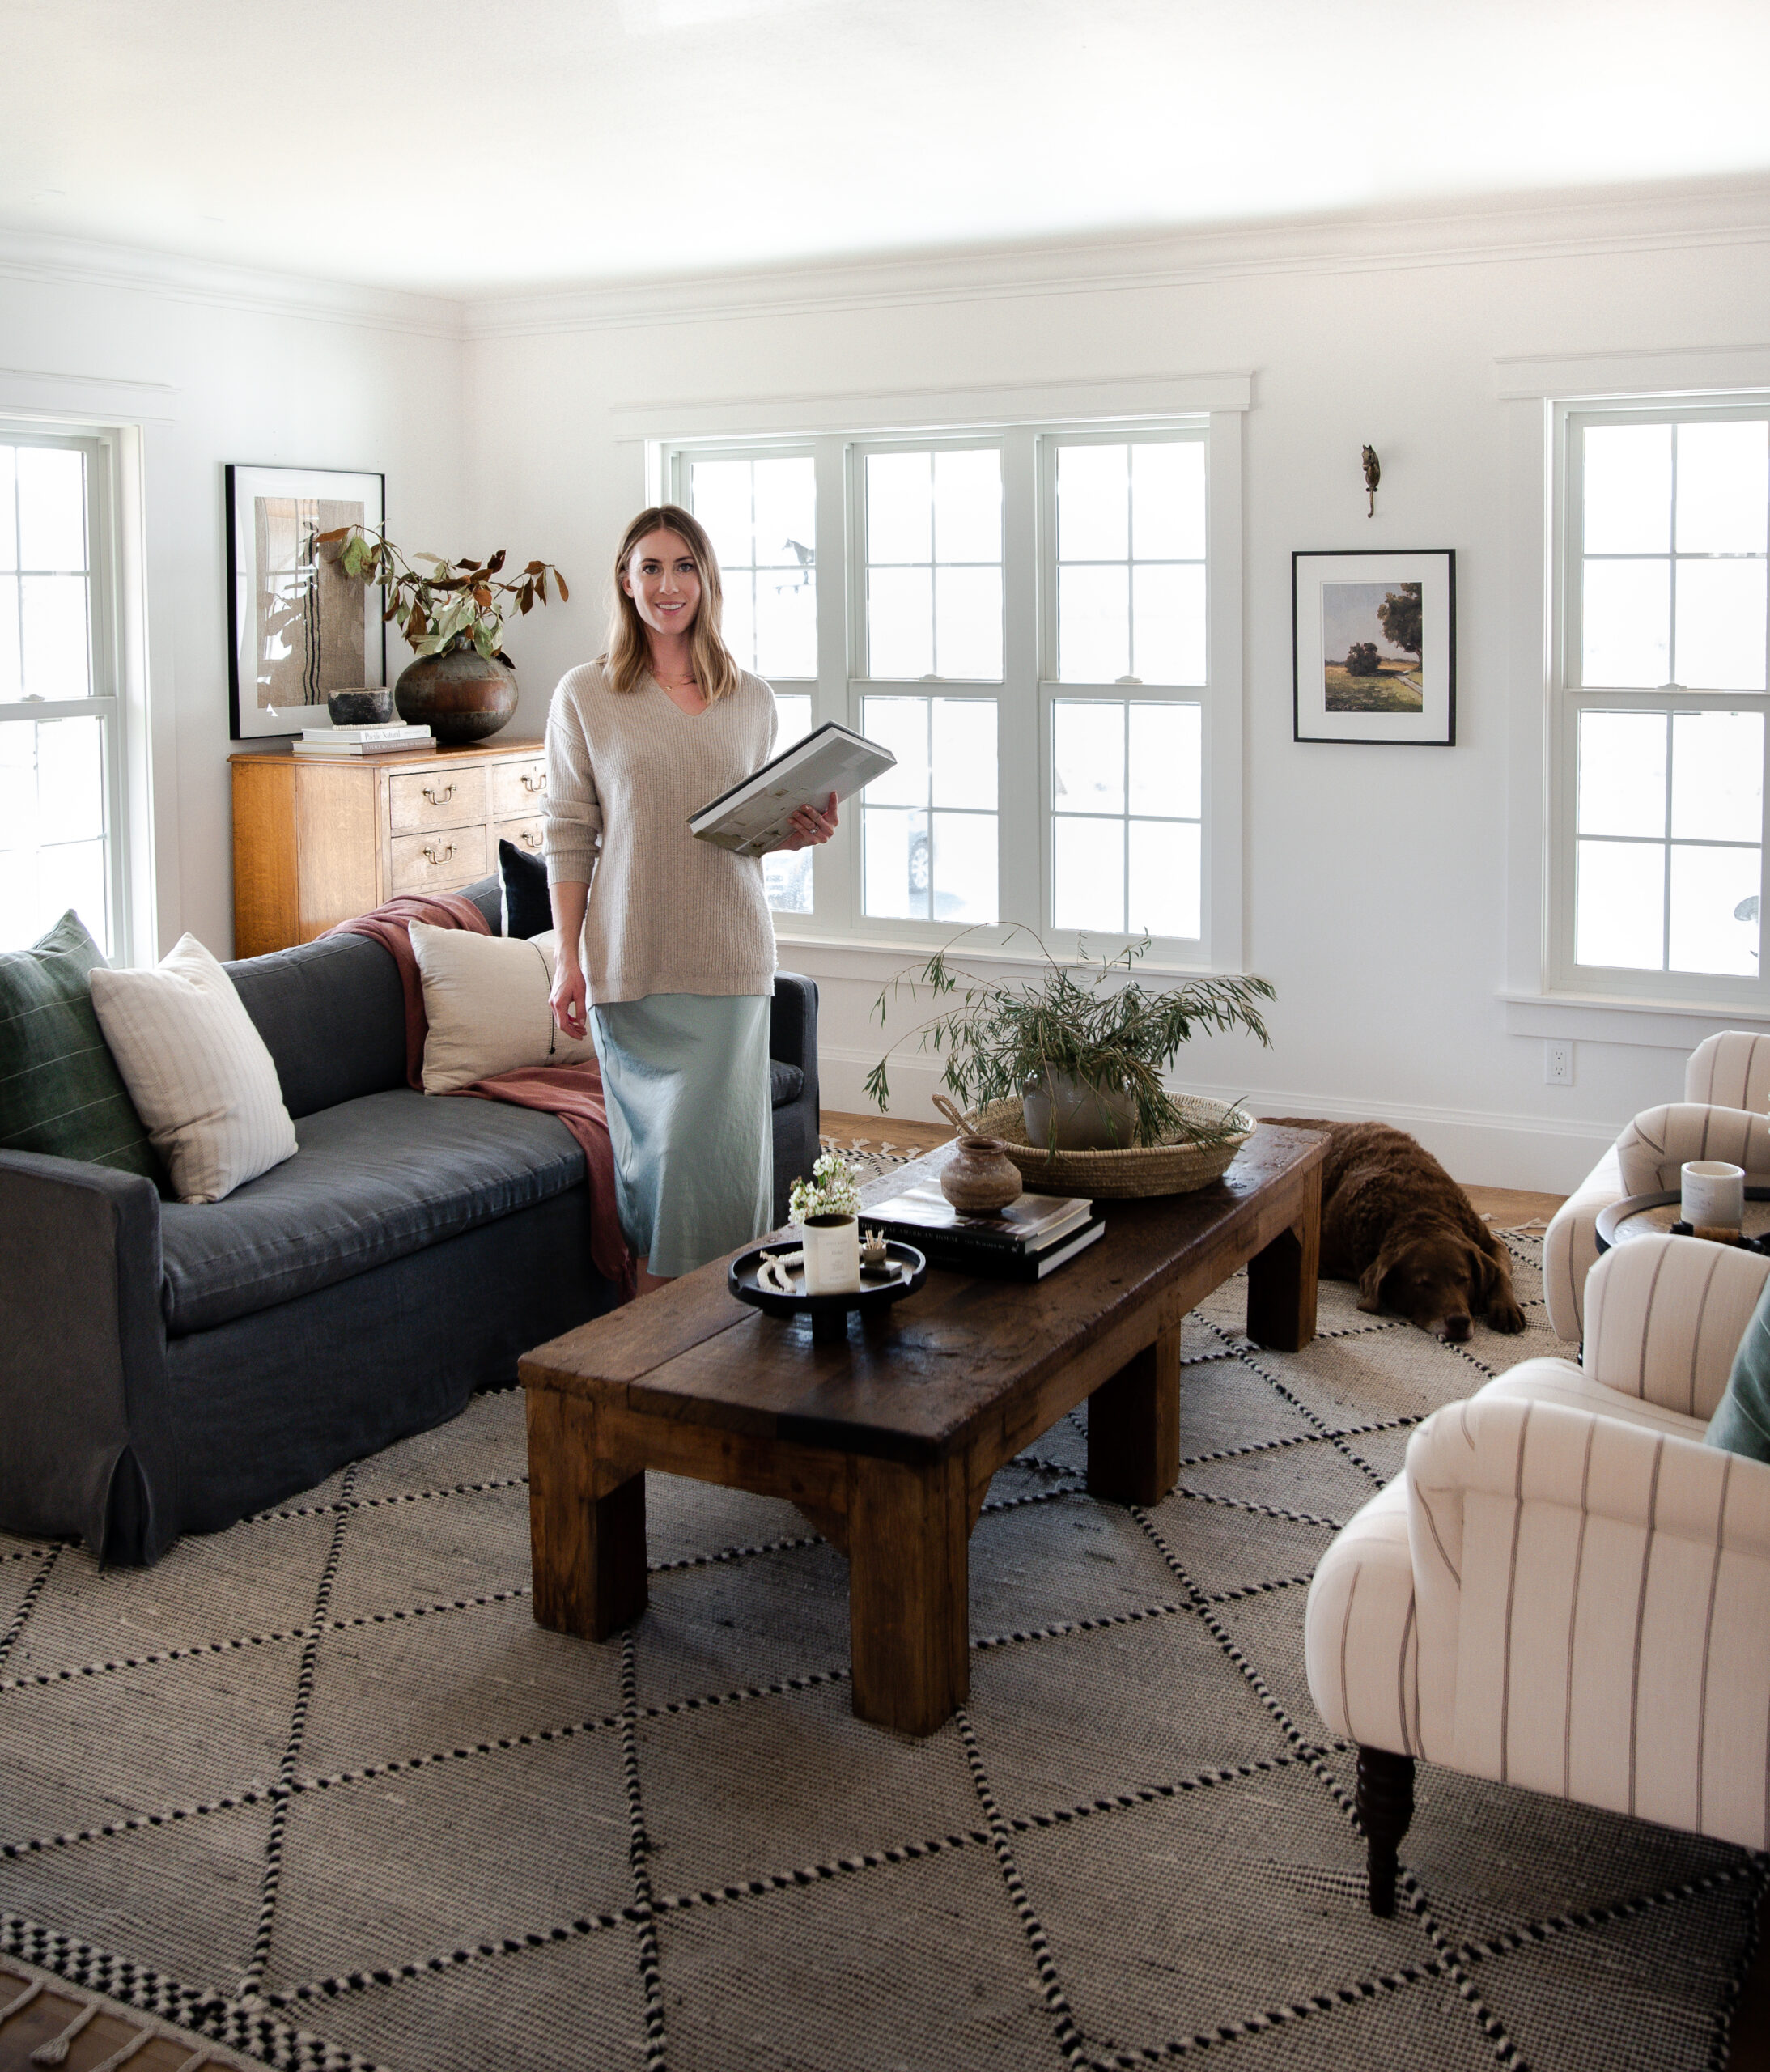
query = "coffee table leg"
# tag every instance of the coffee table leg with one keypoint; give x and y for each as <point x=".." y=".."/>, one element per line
<point x="588" y="1550"/>
<point x="1134" y="1427"/>
<point x="1281" y="1279"/>
<point x="909" y="1593"/>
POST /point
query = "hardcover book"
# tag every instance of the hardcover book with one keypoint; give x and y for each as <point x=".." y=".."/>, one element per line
<point x="754" y="816"/>
<point x="1029" y="1224"/>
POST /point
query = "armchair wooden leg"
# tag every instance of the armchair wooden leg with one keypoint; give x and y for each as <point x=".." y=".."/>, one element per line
<point x="1385" y="1800"/>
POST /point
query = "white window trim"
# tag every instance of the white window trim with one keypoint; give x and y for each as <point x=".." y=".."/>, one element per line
<point x="107" y="702"/>
<point x="1216" y="404"/>
<point x="139" y="418"/>
<point x="1540" y="394"/>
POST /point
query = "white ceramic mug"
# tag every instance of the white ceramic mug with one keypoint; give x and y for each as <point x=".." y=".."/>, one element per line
<point x="832" y="1255"/>
<point x="1713" y="1194"/>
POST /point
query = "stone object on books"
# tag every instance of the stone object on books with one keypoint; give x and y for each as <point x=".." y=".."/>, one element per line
<point x="372" y="706"/>
<point x="980" y="1177"/>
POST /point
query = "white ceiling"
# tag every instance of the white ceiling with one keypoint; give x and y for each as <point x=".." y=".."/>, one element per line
<point x="459" y="146"/>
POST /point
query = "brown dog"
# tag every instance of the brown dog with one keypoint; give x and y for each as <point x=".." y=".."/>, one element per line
<point x="1393" y="1220"/>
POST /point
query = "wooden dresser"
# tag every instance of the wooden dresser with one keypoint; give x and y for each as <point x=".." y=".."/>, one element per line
<point x="316" y="840"/>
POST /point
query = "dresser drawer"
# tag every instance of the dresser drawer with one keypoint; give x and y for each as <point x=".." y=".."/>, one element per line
<point x="440" y="798"/>
<point x="517" y="789"/>
<point x="525" y="835"/>
<point x="450" y="856"/>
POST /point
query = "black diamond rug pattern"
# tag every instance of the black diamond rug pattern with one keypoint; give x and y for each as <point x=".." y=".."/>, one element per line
<point x="319" y="1788"/>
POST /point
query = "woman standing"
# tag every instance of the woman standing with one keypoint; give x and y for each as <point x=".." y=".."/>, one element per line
<point x="677" y="969"/>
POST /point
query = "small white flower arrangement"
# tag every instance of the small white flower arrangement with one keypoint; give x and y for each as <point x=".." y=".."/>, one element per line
<point x="831" y="1191"/>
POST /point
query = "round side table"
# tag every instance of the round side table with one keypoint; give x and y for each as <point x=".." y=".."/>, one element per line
<point x="1652" y="1216"/>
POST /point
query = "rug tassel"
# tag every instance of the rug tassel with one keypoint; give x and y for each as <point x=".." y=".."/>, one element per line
<point x="23" y="2001"/>
<point x="56" y="2049"/>
<point x="122" y="2056"/>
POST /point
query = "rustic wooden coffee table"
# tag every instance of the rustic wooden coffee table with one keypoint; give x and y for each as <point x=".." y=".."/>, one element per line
<point x="887" y="1442"/>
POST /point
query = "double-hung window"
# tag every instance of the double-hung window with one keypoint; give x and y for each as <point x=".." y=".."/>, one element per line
<point x="1663" y="670"/>
<point x="1022" y="616"/>
<point x="60" y="750"/>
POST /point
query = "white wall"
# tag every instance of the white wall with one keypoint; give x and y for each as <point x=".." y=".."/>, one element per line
<point x="214" y="365"/>
<point x="1375" y="876"/>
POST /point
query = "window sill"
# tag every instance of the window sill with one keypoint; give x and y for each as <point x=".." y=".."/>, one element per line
<point x="1601" y="1018"/>
<point x="876" y="958"/>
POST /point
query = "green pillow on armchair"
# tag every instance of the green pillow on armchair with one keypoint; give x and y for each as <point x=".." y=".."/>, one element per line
<point x="1742" y="1420"/>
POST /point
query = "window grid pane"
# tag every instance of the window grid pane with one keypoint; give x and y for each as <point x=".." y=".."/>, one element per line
<point x="1126" y="817"/>
<point x="934" y="597"/>
<point x="929" y="829"/>
<point x="1674" y="527"/>
<point x="54" y="791"/>
<point x="1130" y="590"/>
<point x="1689" y="903"/>
<point x="760" y="515"/>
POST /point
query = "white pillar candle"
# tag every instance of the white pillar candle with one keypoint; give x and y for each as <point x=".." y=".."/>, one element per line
<point x="1713" y="1194"/>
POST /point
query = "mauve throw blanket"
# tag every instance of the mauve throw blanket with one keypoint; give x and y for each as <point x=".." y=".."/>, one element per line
<point x="573" y="1092"/>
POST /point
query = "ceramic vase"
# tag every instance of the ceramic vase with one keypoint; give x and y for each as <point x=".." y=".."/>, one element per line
<point x="460" y="695"/>
<point x="1085" y="1118"/>
<point x="980" y="1177"/>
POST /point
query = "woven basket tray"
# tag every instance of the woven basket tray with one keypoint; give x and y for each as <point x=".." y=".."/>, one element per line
<point x="1156" y="1168"/>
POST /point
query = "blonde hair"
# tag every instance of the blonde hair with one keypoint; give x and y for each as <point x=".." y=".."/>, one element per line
<point x="628" y="659"/>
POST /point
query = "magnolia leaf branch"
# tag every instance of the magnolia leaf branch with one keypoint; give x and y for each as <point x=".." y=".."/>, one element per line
<point x="457" y="604"/>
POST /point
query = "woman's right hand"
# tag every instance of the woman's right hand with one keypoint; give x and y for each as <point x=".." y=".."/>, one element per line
<point x="569" y="998"/>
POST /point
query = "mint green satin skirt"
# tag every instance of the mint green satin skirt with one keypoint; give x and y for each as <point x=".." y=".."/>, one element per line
<point x="685" y="1077"/>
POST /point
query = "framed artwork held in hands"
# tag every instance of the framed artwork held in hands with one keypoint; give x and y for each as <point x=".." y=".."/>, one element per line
<point x="298" y="628"/>
<point x="1374" y="647"/>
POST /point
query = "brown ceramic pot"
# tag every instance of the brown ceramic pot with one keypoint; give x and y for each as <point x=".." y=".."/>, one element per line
<point x="460" y="696"/>
<point x="980" y="1177"/>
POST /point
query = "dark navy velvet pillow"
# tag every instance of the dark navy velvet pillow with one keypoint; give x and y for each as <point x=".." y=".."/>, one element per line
<point x="528" y="910"/>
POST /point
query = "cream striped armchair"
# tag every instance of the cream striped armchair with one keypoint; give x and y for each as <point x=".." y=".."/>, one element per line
<point x="1722" y="1115"/>
<point x="1565" y="1588"/>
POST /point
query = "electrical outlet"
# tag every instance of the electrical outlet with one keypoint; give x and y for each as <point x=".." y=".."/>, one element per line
<point x="1557" y="1062"/>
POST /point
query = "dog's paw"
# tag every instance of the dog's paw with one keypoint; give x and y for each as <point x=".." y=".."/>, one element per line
<point x="1506" y="1317"/>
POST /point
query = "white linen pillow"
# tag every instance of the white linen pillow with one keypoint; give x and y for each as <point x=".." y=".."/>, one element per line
<point x="485" y="999"/>
<point x="198" y="1071"/>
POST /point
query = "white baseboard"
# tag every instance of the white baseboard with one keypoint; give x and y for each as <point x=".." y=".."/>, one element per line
<point x="1481" y="1149"/>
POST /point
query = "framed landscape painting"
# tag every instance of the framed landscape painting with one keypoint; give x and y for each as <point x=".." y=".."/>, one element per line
<point x="1374" y="647"/>
<point x="298" y="628"/>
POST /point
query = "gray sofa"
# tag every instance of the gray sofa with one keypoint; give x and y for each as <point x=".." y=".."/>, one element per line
<point x="169" y="1368"/>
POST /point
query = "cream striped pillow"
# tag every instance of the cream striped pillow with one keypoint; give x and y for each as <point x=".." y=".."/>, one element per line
<point x="198" y="1071"/>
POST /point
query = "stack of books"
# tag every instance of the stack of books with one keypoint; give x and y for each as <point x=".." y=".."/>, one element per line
<point x="396" y="738"/>
<point x="1025" y="1242"/>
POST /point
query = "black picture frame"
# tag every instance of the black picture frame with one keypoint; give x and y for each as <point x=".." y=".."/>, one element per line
<point x="281" y="596"/>
<point x="1350" y="603"/>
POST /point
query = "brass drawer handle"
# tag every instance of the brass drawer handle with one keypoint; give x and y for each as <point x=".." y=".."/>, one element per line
<point x="530" y="839"/>
<point x="430" y="851"/>
<point x="531" y="782"/>
<point x="439" y="798"/>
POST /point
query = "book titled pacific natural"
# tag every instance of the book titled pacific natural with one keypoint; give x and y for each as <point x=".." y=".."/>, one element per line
<point x="1029" y="1238"/>
<point x="756" y="815"/>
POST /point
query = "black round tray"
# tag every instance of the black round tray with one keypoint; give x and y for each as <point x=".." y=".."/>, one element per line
<point x="829" y="1313"/>
<point x="1619" y="1212"/>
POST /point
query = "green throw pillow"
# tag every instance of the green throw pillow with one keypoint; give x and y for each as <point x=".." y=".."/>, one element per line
<point x="59" y="1092"/>
<point x="1741" y="1420"/>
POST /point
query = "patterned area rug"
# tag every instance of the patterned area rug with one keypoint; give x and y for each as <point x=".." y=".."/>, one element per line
<point x="318" y="1787"/>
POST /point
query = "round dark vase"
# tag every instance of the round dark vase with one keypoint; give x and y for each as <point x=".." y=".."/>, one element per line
<point x="459" y="695"/>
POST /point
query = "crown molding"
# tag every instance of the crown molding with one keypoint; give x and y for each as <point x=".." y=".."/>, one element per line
<point x="1618" y="220"/>
<point x="33" y="256"/>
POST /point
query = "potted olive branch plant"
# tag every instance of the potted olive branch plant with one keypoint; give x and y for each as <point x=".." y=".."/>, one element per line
<point x="1048" y="1043"/>
<point x="451" y="614"/>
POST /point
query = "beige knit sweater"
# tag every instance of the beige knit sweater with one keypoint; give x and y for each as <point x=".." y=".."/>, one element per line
<point x="666" y="914"/>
